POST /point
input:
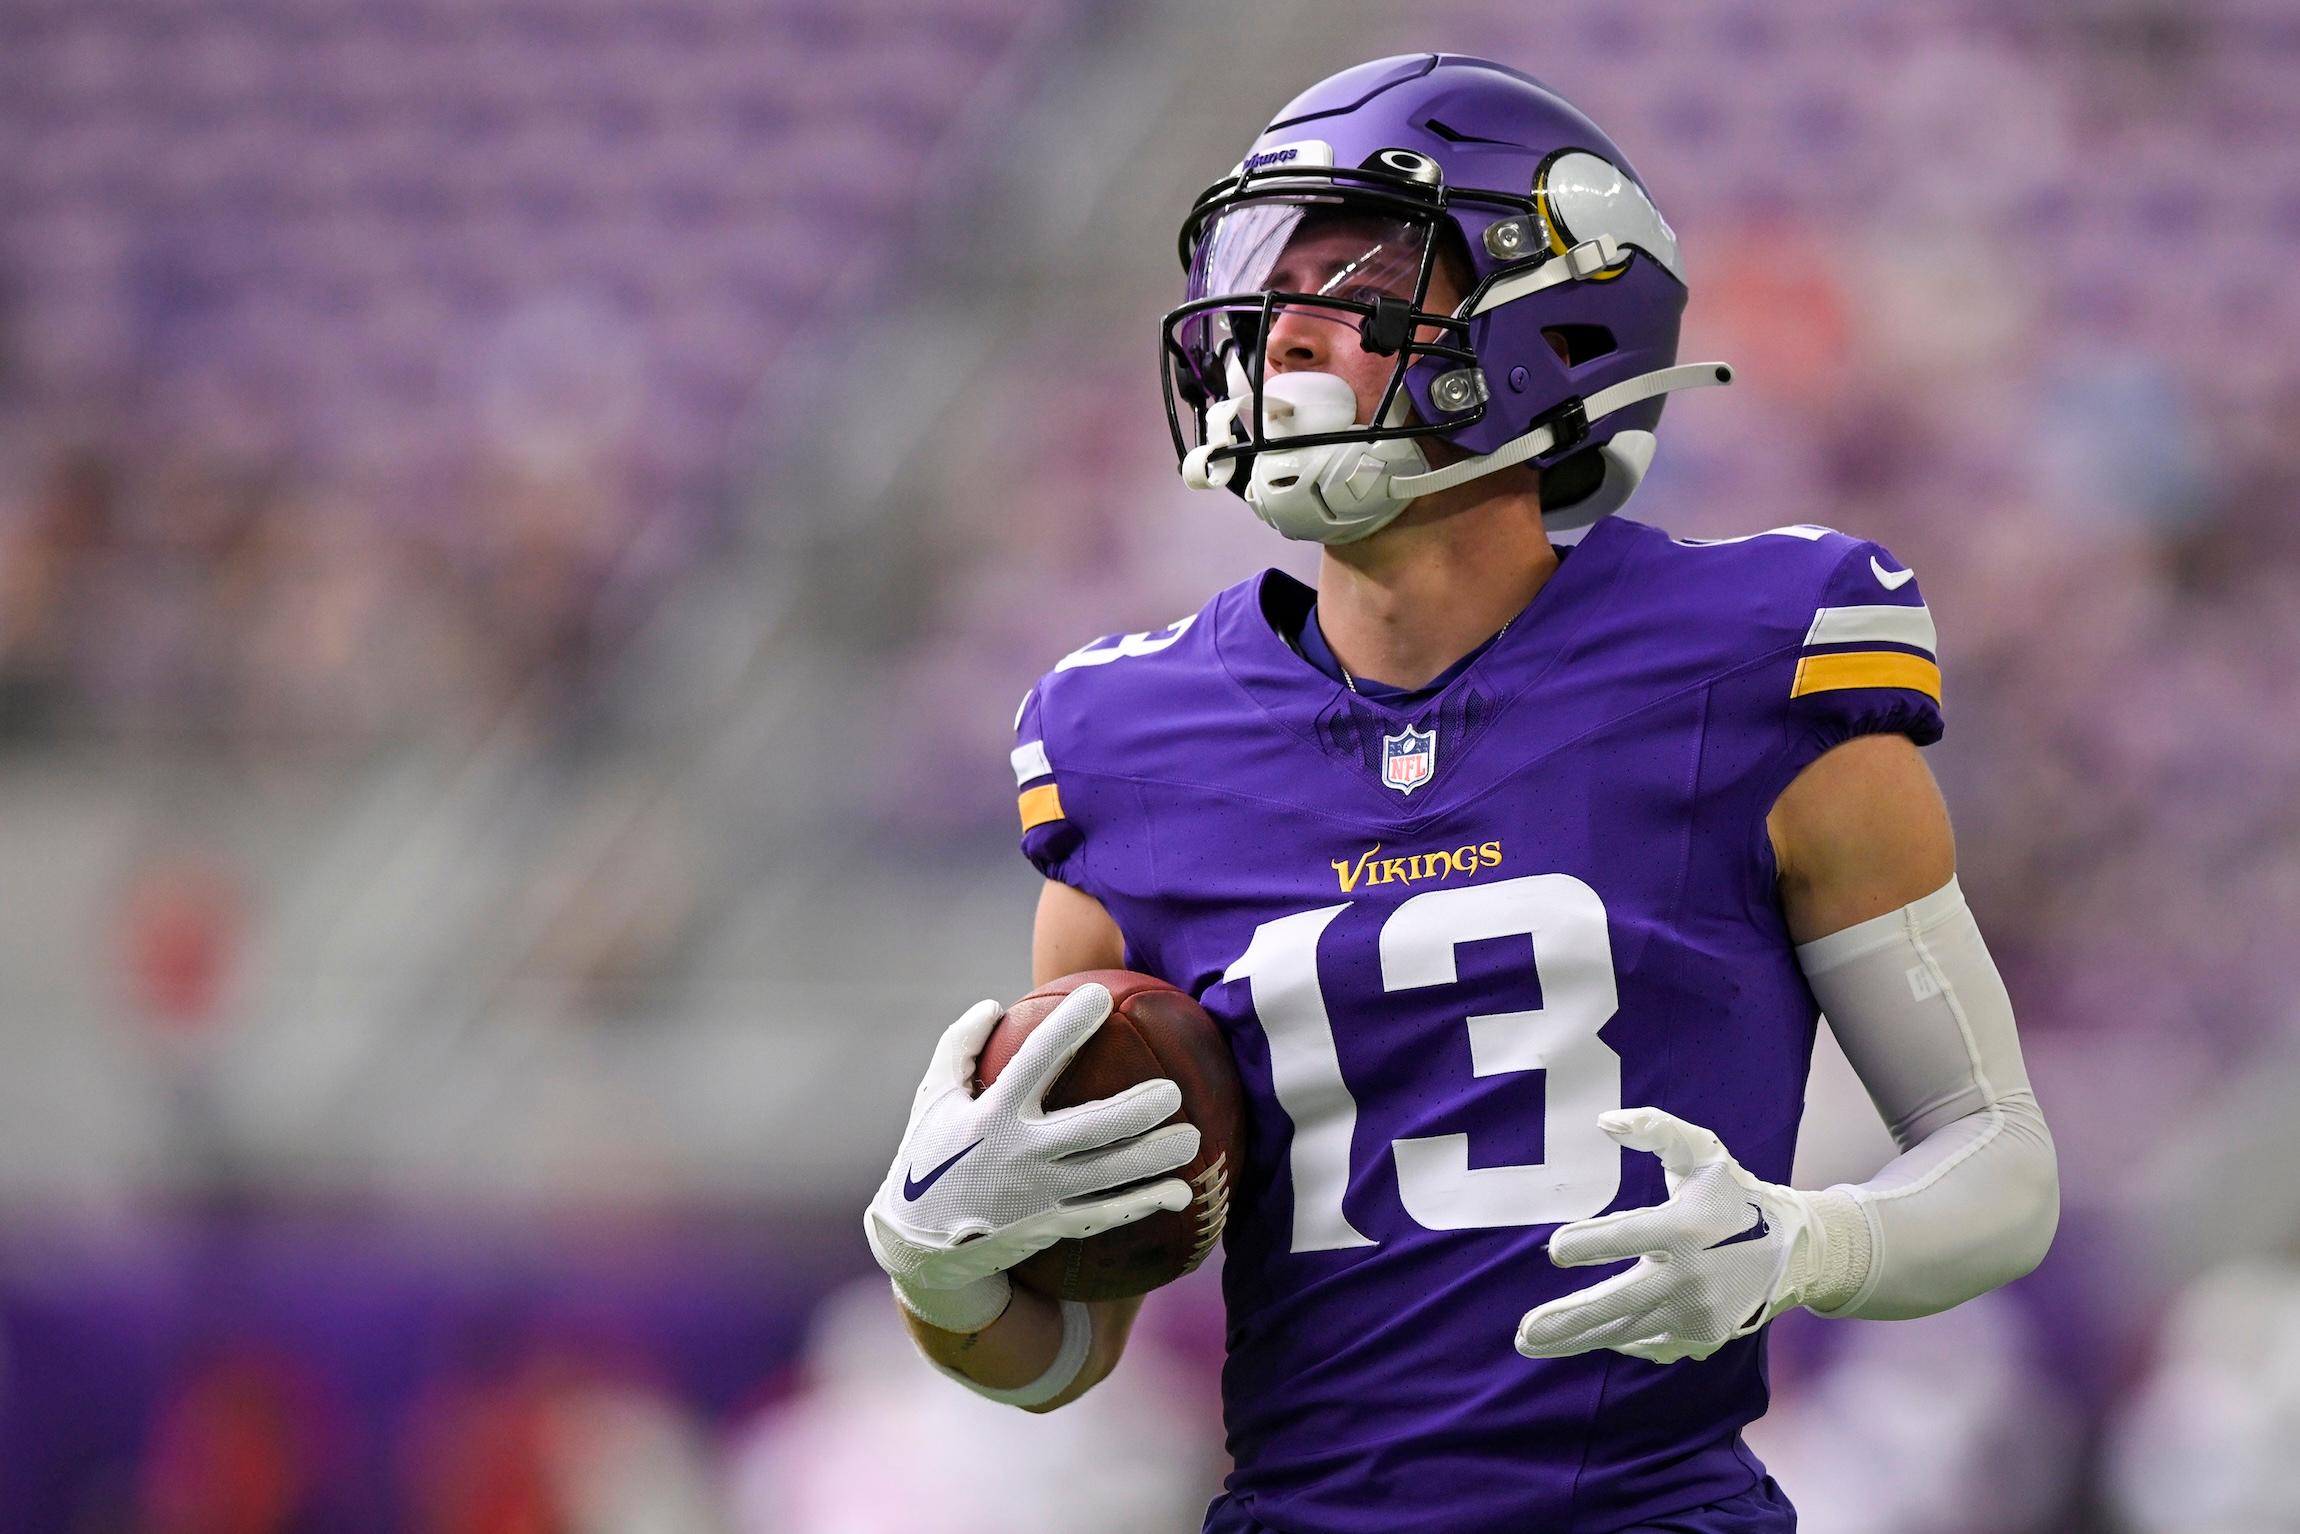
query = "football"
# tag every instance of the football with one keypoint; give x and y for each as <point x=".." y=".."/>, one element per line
<point x="1153" y="1030"/>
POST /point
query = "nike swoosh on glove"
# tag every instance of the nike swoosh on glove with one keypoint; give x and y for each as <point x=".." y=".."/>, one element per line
<point x="980" y="1183"/>
<point x="1724" y="1255"/>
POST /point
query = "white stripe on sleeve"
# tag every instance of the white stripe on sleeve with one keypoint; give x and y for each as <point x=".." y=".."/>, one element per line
<point x="1029" y="760"/>
<point x="1861" y="625"/>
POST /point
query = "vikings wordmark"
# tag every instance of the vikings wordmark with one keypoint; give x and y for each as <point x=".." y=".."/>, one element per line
<point x="1370" y="869"/>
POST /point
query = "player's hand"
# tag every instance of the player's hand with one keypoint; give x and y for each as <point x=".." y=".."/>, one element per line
<point x="981" y="1183"/>
<point x="1723" y="1256"/>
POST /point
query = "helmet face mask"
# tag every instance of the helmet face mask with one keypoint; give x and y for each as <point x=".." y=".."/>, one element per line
<point x="1362" y="253"/>
<point x="1568" y="281"/>
<point x="1362" y="293"/>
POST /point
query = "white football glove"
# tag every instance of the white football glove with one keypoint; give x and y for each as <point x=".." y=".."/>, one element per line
<point x="1726" y="1254"/>
<point x="980" y="1183"/>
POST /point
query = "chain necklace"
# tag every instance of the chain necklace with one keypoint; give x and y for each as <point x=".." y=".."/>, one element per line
<point x="1351" y="682"/>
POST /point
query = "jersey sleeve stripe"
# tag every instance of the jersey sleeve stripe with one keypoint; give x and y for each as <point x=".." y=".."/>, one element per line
<point x="1866" y="668"/>
<point x="1040" y="805"/>
<point x="1029" y="760"/>
<point x="1911" y="626"/>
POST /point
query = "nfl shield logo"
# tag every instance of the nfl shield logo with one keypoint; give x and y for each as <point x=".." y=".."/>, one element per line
<point x="1408" y="759"/>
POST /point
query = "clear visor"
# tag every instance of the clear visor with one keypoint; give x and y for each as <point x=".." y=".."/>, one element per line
<point x="1309" y="247"/>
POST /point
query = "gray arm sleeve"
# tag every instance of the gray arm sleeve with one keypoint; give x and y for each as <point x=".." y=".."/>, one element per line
<point x="1973" y="1198"/>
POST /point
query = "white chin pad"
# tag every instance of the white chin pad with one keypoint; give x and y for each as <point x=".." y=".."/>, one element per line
<point x="1301" y="404"/>
<point x="1331" y="493"/>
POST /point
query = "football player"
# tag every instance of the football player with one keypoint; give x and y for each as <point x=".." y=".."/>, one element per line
<point x="1517" y="861"/>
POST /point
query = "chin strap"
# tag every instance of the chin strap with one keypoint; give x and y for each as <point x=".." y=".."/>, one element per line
<point x="1198" y="470"/>
<point x="1543" y="439"/>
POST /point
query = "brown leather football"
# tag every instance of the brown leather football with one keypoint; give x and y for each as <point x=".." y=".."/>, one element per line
<point x="1153" y="1030"/>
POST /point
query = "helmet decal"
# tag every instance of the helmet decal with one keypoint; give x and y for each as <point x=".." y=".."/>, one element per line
<point x="1306" y="152"/>
<point x="1581" y="196"/>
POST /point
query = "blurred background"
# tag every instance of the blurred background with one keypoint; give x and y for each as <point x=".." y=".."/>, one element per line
<point x="522" y="529"/>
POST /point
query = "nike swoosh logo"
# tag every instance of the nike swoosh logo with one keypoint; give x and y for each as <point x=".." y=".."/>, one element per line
<point x="914" y="1187"/>
<point x="1891" y="580"/>
<point x="1752" y="1233"/>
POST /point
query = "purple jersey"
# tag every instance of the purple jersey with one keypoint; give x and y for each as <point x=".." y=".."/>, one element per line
<point x="1442" y="938"/>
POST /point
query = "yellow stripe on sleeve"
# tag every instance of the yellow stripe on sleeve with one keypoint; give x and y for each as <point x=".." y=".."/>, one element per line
<point x="1866" y="668"/>
<point x="1040" y="805"/>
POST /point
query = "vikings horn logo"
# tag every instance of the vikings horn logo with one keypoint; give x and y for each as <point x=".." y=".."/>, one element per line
<point x="1408" y="759"/>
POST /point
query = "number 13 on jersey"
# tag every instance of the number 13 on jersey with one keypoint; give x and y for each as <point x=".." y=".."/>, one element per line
<point x="1573" y="961"/>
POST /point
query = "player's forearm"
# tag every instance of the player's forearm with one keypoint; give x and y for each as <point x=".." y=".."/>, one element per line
<point x="1012" y="1351"/>
<point x="1022" y="1345"/>
<point x="1972" y="1206"/>
<point x="1974" y="1198"/>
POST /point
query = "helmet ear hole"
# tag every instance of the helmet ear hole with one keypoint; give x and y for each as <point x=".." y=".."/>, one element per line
<point x="1577" y="344"/>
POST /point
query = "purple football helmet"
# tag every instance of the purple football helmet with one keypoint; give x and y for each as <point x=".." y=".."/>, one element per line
<point x="1365" y="192"/>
